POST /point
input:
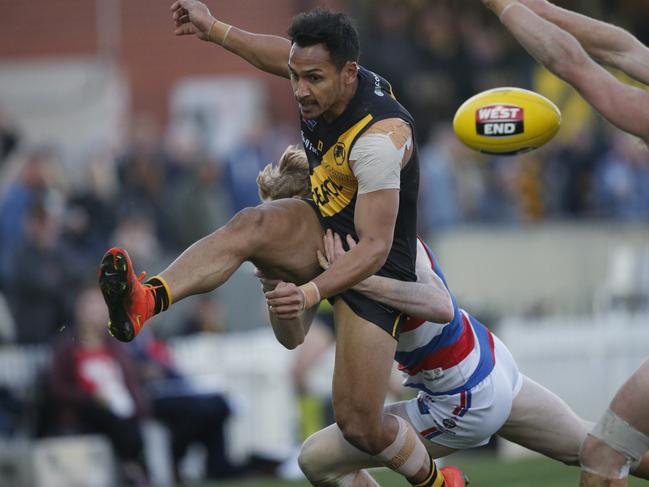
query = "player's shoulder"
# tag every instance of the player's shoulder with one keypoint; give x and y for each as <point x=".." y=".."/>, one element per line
<point x="397" y="129"/>
<point x="393" y="127"/>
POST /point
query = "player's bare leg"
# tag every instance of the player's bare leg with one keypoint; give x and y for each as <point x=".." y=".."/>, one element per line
<point x="621" y="437"/>
<point x="327" y="458"/>
<point x="364" y="354"/>
<point x="281" y="238"/>
<point x="543" y="422"/>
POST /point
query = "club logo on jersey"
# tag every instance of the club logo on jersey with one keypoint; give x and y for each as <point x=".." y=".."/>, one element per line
<point x="339" y="153"/>
<point x="499" y="120"/>
<point x="449" y="423"/>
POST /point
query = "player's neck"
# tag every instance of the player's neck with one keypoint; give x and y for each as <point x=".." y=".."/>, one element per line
<point x="340" y="106"/>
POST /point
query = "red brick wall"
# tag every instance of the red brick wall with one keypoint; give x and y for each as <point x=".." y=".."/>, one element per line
<point x="152" y="58"/>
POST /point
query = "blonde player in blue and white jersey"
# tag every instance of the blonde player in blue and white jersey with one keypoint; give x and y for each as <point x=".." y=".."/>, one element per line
<point x="469" y="385"/>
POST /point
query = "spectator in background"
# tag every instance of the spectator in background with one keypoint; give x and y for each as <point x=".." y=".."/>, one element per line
<point x="575" y="161"/>
<point x="261" y="145"/>
<point x="438" y="198"/>
<point x="9" y="137"/>
<point x="42" y="275"/>
<point x="621" y="179"/>
<point x="94" y="386"/>
<point x="89" y="217"/>
<point x="197" y="201"/>
<point x="205" y="316"/>
<point x="439" y="80"/>
<point x="192" y="416"/>
<point x="142" y="169"/>
<point x="39" y="179"/>
<point x="137" y="229"/>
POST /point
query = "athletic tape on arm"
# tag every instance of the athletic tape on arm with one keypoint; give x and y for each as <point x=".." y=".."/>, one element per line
<point x="376" y="162"/>
<point x="621" y="436"/>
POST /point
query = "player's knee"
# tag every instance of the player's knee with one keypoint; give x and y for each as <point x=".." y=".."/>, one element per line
<point x="310" y="458"/>
<point x="359" y="430"/>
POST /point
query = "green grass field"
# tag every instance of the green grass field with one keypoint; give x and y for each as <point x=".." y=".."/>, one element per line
<point x="483" y="471"/>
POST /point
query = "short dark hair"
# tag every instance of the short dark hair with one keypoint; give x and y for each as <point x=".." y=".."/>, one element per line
<point x="333" y="29"/>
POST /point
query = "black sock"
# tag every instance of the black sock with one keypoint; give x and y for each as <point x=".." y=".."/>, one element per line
<point x="432" y="477"/>
<point x="160" y="294"/>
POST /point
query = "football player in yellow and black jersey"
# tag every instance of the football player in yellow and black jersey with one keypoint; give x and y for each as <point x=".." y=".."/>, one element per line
<point x="364" y="178"/>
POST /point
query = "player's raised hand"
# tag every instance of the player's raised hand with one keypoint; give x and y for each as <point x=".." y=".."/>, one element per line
<point x="191" y="17"/>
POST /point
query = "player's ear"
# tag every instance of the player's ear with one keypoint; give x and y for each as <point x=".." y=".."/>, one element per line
<point x="350" y="72"/>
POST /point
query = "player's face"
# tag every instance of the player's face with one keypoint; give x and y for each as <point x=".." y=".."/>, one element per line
<point x="318" y="85"/>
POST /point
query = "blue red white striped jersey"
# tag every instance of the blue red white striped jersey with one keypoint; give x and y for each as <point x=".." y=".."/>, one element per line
<point x="445" y="359"/>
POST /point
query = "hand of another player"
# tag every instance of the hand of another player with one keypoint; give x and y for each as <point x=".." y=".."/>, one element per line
<point x="333" y="248"/>
<point x="286" y="301"/>
<point x="191" y="17"/>
<point x="267" y="284"/>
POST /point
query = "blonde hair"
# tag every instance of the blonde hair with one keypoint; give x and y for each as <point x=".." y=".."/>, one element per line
<point x="290" y="177"/>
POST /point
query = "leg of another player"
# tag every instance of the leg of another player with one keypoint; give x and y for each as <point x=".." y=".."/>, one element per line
<point x="326" y="458"/>
<point x="283" y="234"/>
<point x="541" y="421"/>
<point x="364" y="354"/>
<point x="603" y="465"/>
<point x="209" y="262"/>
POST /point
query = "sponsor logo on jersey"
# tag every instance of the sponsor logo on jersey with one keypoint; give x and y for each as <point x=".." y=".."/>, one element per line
<point x="308" y="145"/>
<point x="499" y="120"/>
<point x="326" y="191"/>
<point x="377" y="86"/>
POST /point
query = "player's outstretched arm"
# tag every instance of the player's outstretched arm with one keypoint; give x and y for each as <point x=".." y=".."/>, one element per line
<point x="623" y="105"/>
<point x="427" y="299"/>
<point x="606" y="42"/>
<point x="266" y="52"/>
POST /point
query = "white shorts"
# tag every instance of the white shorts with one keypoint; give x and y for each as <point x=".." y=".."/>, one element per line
<point x="469" y="419"/>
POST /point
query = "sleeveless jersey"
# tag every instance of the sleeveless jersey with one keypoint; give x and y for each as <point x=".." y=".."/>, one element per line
<point x="335" y="188"/>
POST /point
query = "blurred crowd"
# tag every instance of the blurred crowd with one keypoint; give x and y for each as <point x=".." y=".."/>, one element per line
<point x="438" y="54"/>
<point x="161" y="190"/>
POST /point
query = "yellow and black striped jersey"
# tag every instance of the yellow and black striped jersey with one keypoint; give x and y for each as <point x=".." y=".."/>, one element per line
<point x="333" y="184"/>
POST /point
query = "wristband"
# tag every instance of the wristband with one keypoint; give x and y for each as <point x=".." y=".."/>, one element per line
<point x="311" y="294"/>
<point x="225" y="36"/>
<point x="209" y="31"/>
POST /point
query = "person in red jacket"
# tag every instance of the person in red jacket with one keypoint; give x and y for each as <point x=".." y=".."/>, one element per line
<point x="95" y="387"/>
